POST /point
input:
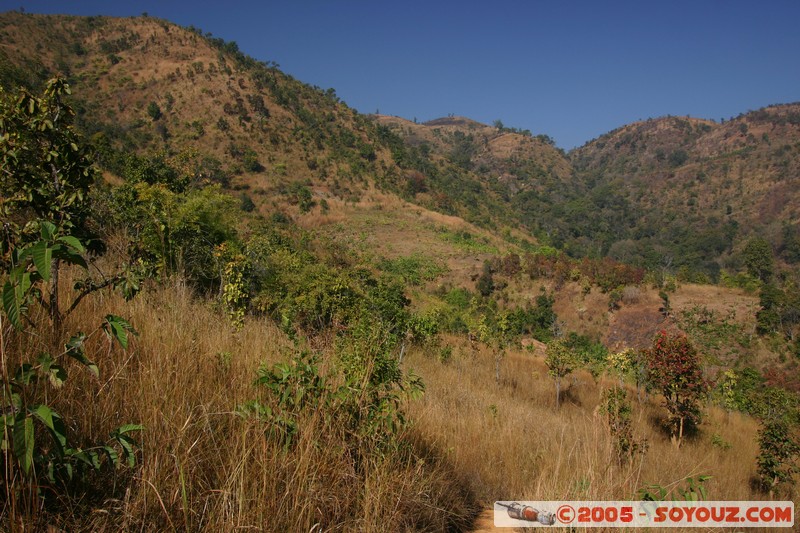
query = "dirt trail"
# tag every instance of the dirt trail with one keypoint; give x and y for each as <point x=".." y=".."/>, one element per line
<point x="485" y="522"/>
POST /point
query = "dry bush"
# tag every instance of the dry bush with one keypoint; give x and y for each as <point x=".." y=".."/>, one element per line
<point x="201" y="467"/>
<point x="631" y="295"/>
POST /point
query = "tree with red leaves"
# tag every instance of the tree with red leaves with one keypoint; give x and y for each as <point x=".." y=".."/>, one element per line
<point x="675" y="369"/>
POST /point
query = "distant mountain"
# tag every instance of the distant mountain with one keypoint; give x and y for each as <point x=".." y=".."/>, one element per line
<point x="145" y="85"/>
<point x="673" y="193"/>
<point x="696" y="190"/>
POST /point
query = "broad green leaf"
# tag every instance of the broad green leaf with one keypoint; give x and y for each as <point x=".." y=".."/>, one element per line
<point x="54" y="423"/>
<point x="118" y="327"/>
<point x="127" y="444"/>
<point x="72" y="242"/>
<point x="23" y="441"/>
<point x="57" y="376"/>
<point x="94" y="457"/>
<point x="47" y="229"/>
<point x="12" y="305"/>
<point x="69" y="256"/>
<point x="82" y="456"/>
<point x="127" y="428"/>
<point x="42" y="256"/>
<point x="112" y="454"/>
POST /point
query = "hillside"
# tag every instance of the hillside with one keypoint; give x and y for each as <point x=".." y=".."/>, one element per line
<point x="149" y="86"/>
<point x="678" y="196"/>
<point x="680" y="193"/>
<point x="694" y="190"/>
<point x="230" y="301"/>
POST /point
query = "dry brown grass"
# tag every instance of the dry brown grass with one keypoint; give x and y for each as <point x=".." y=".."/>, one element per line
<point x="515" y="444"/>
<point x="471" y="442"/>
<point x="202" y="467"/>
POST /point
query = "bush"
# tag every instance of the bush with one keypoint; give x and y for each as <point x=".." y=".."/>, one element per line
<point x="617" y="408"/>
<point x="154" y="111"/>
<point x="778" y="453"/>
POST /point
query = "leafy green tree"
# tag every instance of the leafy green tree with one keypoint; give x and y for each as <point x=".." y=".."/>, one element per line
<point x="617" y="408"/>
<point x="758" y="258"/>
<point x="778" y="453"/>
<point x="44" y="185"/>
<point x="768" y="318"/>
<point x="154" y="111"/>
<point x="485" y="284"/>
<point x="790" y="245"/>
<point x="560" y="361"/>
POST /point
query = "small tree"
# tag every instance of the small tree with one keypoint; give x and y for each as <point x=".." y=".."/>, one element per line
<point x="43" y="190"/>
<point x="778" y="452"/>
<point x="619" y="417"/>
<point x="485" y="284"/>
<point x="154" y="111"/>
<point x="44" y="183"/>
<point x="560" y="361"/>
<point x="759" y="260"/>
<point x="674" y="368"/>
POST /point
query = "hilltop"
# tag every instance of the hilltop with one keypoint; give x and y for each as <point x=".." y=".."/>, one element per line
<point x="699" y="189"/>
<point x="309" y="311"/>
<point x="676" y="191"/>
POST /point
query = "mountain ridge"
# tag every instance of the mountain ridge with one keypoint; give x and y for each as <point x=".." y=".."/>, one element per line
<point x="681" y="187"/>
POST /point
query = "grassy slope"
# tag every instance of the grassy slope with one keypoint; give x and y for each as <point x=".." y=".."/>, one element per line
<point x="183" y="379"/>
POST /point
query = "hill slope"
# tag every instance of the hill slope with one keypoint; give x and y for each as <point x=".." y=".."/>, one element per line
<point x="697" y="189"/>
<point x="674" y="193"/>
<point x="147" y="85"/>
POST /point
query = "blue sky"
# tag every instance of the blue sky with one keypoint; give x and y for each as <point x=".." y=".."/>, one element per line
<point x="569" y="69"/>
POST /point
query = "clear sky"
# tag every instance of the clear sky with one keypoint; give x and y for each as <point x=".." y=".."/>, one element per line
<point x="569" y="69"/>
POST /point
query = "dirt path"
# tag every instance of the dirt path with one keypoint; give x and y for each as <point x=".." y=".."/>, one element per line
<point x="485" y="522"/>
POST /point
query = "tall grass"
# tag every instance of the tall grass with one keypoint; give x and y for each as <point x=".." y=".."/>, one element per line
<point x="471" y="440"/>
<point x="202" y="467"/>
<point x="513" y="443"/>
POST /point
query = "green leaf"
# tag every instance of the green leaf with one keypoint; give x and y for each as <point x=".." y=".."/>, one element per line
<point x="112" y="454"/>
<point x="118" y="328"/>
<point x="12" y="305"/>
<point x="72" y="242"/>
<point x="127" y="444"/>
<point x="42" y="256"/>
<point x="23" y="441"/>
<point x="57" y="376"/>
<point x="25" y="374"/>
<point x="69" y="256"/>
<point x="53" y="422"/>
<point x="127" y="428"/>
<point x="47" y="229"/>
<point x="75" y="349"/>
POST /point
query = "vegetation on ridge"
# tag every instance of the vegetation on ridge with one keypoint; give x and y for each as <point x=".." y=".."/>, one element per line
<point x="309" y="293"/>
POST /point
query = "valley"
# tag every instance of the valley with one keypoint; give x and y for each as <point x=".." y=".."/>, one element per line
<point x="232" y="301"/>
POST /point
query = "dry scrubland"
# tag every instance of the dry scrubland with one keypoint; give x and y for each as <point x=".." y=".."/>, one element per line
<point x="471" y="440"/>
<point x="299" y="154"/>
<point x="203" y="467"/>
<point x="511" y="442"/>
